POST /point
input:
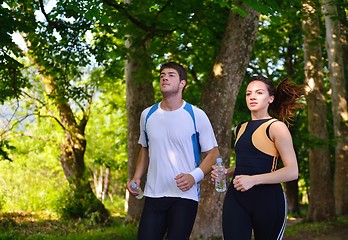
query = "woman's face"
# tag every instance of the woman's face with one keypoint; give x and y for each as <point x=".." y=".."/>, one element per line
<point x="257" y="96"/>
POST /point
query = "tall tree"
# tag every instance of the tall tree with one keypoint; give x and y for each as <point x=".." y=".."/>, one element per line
<point x="321" y="201"/>
<point x="335" y="40"/>
<point x="218" y="100"/>
<point x="140" y="94"/>
<point x="72" y="154"/>
<point x="56" y="46"/>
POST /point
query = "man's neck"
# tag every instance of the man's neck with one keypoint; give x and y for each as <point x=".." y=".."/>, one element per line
<point x="171" y="104"/>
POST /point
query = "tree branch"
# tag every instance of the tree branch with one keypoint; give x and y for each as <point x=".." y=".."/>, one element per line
<point x="152" y="29"/>
<point x="50" y="22"/>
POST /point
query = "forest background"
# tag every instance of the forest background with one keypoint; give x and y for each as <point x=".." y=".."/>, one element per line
<point x="75" y="76"/>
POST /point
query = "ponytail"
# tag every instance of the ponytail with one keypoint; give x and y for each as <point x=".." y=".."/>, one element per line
<point x="286" y="100"/>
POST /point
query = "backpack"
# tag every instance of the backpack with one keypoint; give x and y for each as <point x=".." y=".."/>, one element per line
<point x="194" y="137"/>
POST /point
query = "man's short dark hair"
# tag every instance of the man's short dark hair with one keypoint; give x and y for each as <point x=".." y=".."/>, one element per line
<point x="178" y="67"/>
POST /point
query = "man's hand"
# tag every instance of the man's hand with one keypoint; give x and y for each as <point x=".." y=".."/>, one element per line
<point x="131" y="190"/>
<point x="184" y="181"/>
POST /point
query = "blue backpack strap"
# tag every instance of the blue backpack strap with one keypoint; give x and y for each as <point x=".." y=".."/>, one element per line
<point x="195" y="142"/>
<point x="195" y="136"/>
<point x="152" y="110"/>
<point x="188" y="107"/>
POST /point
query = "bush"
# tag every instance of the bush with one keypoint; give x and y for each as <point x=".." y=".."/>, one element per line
<point x="74" y="205"/>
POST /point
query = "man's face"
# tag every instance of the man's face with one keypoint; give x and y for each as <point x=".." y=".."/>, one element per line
<point x="170" y="81"/>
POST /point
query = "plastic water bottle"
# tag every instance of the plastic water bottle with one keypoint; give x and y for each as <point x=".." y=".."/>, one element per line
<point x="220" y="181"/>
<point x="140" y="191"/>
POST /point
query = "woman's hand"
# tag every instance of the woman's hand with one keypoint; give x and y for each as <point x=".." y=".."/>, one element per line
<point x="243" y="182"/>
<point x="213" y="173"/>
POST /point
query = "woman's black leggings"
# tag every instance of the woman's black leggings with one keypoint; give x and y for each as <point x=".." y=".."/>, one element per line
<point x="175" y="216"/>
<point x="261" y="209"/>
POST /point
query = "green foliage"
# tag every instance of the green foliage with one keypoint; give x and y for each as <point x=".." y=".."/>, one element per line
<point x="27" y="187"/>
<point x="169" y="31"/>
<point x="72" y="204"/>
<point x="264" y="7"/>
<point x="278" y="49"/>
<point x="2" y="199"/>
<point x="29" y="182"/>
<point x="106" y="133"/>
<point x="116" y="205"/>
<point x="11" y="77"/>
<point x="5" y="147"/>
<point x="34" y="181"/>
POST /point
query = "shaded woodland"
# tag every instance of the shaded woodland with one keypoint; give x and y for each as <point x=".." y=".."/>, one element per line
<point x="75" y="76"/>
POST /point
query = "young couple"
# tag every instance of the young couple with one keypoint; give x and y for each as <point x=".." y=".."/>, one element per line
<point x="173" y="134"/>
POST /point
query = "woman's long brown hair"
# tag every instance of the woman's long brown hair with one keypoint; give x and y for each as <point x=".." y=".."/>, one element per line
<point x="287" y="96"/>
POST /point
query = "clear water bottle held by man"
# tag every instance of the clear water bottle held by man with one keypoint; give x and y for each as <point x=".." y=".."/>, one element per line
<point x="140" y="191"/>
<point x="220" y="181"/>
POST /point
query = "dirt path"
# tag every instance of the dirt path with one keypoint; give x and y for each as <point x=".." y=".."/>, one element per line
<point x="339" y="232"/>
<point x="339" y="235"/>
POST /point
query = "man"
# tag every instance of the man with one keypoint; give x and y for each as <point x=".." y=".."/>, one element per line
<point x="173" y="133"/>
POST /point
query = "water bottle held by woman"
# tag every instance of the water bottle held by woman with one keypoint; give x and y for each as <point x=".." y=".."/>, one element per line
<point x="220" y="181"/>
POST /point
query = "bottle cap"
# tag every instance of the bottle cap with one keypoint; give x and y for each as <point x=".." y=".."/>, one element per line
<point x="134" y="185"/>
<point x="219" y="160"/>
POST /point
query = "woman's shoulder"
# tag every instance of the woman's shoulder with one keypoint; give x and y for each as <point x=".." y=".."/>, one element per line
<point x="275" y="123"/>
<point x="278" y="128"/>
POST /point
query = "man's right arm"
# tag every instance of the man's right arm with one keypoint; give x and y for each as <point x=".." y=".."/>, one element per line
<point x="140" y="170"/>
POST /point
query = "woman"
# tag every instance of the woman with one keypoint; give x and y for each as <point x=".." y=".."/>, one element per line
<point x="255" y="200"/>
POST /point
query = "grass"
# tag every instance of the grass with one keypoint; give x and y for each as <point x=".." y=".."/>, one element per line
<point x="313" y="230"/>
<point x="33" y="226"/>
<point x="43" y="226"/>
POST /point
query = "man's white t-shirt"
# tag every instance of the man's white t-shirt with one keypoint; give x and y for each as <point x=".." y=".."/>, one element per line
<point x="171" y="149"/>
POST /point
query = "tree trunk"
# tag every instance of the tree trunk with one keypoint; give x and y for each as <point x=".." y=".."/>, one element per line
<point x="101" y="181"/>
<point x="106" y="183"/>
<point x="140" y="94"/>
<point x="98" y="181"/>
<point x="72" y="157"/>
<point x="342" y="15"/>
<point x="291" y="190"/>
<point x="321" y="203"/>
<point x="339" y="102"/>
<point x="218" y="101"/>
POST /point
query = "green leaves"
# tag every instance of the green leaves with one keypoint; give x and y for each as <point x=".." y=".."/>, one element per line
<point x="4" y="148"/>
<point x="264" y="7"/>
<point x="11" y="78"/>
